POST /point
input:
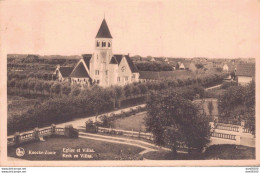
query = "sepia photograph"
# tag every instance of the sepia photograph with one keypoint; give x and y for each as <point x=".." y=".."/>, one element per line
<point x="133" y="81"/>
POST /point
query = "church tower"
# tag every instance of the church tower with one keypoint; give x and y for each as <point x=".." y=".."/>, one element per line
<point x="102" y="55"/>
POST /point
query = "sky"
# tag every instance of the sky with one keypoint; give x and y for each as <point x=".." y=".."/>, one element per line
<point x="173" y="28"/>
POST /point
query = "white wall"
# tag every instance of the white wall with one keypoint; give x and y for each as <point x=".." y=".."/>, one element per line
<point x="80" y="81"/>
<point x="125" y="76"/>
<point x="243" y="80"/>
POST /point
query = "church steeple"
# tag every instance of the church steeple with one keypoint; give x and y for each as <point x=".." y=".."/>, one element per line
<point x="103" y="31"/>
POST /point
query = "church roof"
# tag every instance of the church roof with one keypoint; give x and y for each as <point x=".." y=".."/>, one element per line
<point x="131" y="64"/>
<point x="103" y="31"/>
<point x="65" y="71"/>
<point x="118" y="58"/>
<point x="129" y="61"/>
<point x="86" y="58"/>
<point x="113" y="60"/>
<point x="80" y="72"/>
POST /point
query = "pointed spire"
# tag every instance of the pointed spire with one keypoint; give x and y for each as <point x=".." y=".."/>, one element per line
<point x="103" y="31"/>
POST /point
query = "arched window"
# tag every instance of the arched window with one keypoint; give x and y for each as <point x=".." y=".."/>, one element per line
<point x="109" y="44"/>
<point x="103" y="44"/>
<point x="98" y="43"/>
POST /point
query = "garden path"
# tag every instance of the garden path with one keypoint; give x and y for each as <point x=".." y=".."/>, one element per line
<point x="81" y="122"/>
<point x="138" y="143"/>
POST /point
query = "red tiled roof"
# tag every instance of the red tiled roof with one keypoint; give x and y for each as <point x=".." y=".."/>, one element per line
<point x="245" y="70"/>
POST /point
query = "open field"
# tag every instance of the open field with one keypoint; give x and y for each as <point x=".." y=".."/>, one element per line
<point x="102" y="150"/>
<point x="215" y="152"/>
<point x="134" y="122"/>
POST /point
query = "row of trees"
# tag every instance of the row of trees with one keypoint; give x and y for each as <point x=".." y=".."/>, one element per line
<point x="26" y="66"/>
<point x="153" y="66"/>
<point x="63" y="108"/>
<point x="44" y="75"/>
<point x="33" y="85"/>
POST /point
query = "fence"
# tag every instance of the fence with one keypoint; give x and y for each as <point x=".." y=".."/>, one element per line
<point x="148" y="136"/>
<point x="223" y="135"/>
<point x="36" y="134"/>
<point x="246" y="130"/>
<point x="221" y="126"/>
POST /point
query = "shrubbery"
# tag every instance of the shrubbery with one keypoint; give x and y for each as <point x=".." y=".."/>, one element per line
<point x="70" y="101"/>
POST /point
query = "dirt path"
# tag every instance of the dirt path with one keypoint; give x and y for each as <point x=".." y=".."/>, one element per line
<point x="138" y="143"/>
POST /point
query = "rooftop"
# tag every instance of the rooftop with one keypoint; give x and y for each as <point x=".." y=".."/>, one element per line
<point x="246" y="70"/>
<point x="103" y="31"/>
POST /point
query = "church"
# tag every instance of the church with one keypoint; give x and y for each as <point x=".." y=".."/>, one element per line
<point x="102" y="67"/>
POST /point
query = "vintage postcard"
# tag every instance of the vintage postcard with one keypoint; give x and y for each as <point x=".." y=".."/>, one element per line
<point x="129" y="83"/>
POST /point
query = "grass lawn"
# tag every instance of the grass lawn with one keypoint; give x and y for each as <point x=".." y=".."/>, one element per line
<point x="102" y="150"/>
<point x="215" y="152"/>
<point x="133" y="122"/>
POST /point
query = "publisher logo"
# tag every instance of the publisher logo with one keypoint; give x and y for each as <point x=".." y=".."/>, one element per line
<point x="20" y="152"/>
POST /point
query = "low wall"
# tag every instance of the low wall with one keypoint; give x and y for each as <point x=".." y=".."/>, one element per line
<point x="35" y="135"/>
<point x="230" y="134"/>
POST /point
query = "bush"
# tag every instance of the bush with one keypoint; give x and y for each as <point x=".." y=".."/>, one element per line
<point x="226" y="85"/>
<point x="90" y="126"/>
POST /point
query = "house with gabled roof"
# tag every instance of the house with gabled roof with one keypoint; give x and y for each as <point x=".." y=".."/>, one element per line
<point x="245" y="73"/>
<point x="229" y="67"/>
<point x="103" y="67"/>
<point x="62" y="73"/>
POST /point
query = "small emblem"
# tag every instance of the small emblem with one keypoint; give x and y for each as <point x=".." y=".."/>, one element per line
<point x="20" y="152"/>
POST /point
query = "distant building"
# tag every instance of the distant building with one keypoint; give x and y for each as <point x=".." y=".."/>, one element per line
<point x="103" y="67"/>
<point x="229" y="67"/>
<point x="149" y="76"/>
<point x="187" y="65"/>
<point x="245" y="73"/>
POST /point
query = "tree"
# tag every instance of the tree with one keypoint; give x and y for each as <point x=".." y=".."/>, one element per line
<point x="11" y="83"/>
<point x="210" y="107"/>
<point x="199" y="66"/>
<point x="128" y="90"/>
<point x="56" y="88"/>
<point x="38" y="86"/>
<point x="47" y="87"/>
<point x="75" y="91"/>
<point x="136" y="90"/>
<point x="18" y="85"/>
<point x="66" y="89"/>
<point x="170" y="113"/>
<point x="31" y="85"/>
<point x="24" y="85"/>
<point x="119" y="92"/>
<point x="238" y="103"/>
<point x="143" y="88"/>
